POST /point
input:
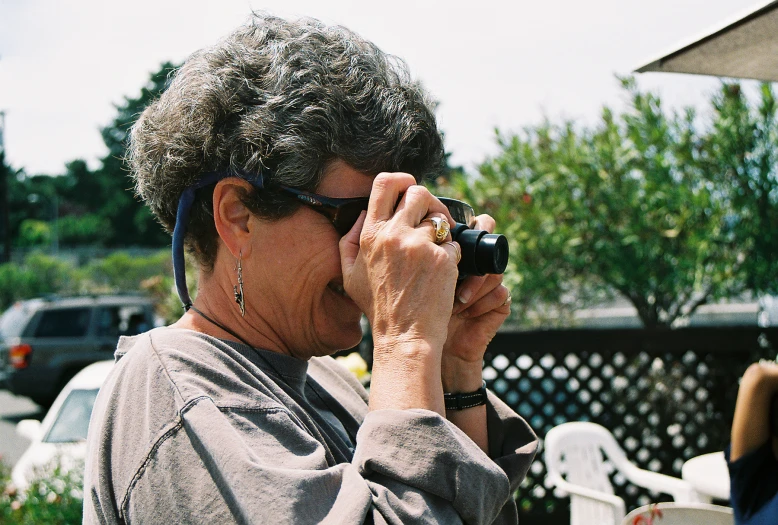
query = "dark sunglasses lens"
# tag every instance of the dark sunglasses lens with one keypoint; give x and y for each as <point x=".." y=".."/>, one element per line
<point x="460" y="211"/>
<point x="347" y="214"/>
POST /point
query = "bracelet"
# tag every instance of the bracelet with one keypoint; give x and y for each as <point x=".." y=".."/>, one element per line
<point x="464" y="400"/>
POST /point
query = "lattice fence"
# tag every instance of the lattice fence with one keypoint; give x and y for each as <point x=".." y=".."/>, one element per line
<point x="666" y="396"/>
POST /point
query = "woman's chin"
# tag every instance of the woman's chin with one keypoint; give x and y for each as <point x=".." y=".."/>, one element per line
<point x="350" y="333"/>
<point x="336" y="342"/>
<point x="343" y="321"/>
<point x="340" y="302"/>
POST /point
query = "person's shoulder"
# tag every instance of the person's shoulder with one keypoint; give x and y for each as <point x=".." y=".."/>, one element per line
<point x="144" y="356"/>
<point x="138" y="377"/>
<point x="179" y="351"/>
<point x="158" y="342"/>
<point x="163" y="360"/>
<point x="167" y="339"/>
<point x="199" y="365"/>
<point x="134" y="358"/>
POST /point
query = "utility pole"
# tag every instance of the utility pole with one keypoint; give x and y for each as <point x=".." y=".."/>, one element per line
<point x="5" y="172"/>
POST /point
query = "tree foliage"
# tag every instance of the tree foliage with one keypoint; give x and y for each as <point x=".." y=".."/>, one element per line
<point x="648" y="204"/>
<point x="98" y="206"/>
<point x="130" y="219"/>
<point x="741" y="156"/>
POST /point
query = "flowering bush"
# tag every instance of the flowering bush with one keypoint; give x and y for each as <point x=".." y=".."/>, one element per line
<point x="52" y="499"/>
<point x="356" y="365"/>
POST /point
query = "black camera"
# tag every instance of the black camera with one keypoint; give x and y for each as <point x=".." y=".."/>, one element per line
<point x="482" y="252"/>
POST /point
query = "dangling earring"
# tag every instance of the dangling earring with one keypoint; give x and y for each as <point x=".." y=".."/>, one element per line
<point x="238" y="290"/>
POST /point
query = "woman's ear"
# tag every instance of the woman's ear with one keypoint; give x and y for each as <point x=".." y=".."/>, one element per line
<point x="230" y="216"/>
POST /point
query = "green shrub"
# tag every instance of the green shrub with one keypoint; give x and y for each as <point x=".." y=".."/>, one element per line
<point x="38" y="275"/>
<point x="15" y="283"/>
<point x="52" y="275"/>
<point x="88" y="229"/>
<point x="33" y="232"/>
<point x="162" y="290"/>
<point x="123" y="272"/>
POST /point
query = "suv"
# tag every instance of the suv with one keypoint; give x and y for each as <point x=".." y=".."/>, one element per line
<point x="45" y="342"/>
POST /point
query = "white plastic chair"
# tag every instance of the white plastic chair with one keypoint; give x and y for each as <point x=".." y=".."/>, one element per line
<point x="686" y="514"/>
<point x="575" y="465"/>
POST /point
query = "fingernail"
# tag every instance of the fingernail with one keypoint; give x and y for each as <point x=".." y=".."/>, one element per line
<point x="465" y="296"/>
<point x="464" y="314"/>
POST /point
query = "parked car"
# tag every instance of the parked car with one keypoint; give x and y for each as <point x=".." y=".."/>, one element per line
<point x="60" y="439"/>
<point x="45" y="342"/>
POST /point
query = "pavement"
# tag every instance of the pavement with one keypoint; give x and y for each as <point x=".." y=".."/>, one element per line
<point x="12" y="410"/>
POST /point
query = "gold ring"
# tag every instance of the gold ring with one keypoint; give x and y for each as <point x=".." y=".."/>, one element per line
<point x="441" y="228"/>
<point x="457" y="248"/>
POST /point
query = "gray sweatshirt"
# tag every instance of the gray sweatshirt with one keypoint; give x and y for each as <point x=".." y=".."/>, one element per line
<point x="192" y="429"/>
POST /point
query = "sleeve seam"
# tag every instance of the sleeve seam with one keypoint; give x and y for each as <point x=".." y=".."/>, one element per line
<point x="142" y="468"/>
<point x="177" y="424"/>
<point x="172" y="431"/>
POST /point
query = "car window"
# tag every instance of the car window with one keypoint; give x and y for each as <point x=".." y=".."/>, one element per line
<point x="114" y="321"/>
<point x="66" y="322"/>
<point x="13" y="321"/>
<point x="72" y="421"/>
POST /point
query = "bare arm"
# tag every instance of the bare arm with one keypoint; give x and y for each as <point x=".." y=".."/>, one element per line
<point x="466" y="377"/>
<point x="482" y="306"/>
<point x="751" y="424"/>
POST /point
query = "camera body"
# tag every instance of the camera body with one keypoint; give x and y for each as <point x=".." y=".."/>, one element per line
<point x="482" y="252"/>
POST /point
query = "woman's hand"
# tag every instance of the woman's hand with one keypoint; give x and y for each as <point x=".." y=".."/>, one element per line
<point x="405" y="284"/>
<point x="401" y="279"/>
<point x="482" y="304"/>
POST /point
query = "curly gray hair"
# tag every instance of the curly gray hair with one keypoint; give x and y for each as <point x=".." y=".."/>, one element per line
<point x="285" y="98"/>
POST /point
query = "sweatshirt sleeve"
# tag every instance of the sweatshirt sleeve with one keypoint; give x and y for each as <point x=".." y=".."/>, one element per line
<point x="512" y="443"/>
<point x="409" y="466"/>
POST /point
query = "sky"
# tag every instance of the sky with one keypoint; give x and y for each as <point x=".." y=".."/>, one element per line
<point x="65" y="65"/>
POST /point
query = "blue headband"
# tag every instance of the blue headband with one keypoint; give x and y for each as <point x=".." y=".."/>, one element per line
<point x="182" y="217"/>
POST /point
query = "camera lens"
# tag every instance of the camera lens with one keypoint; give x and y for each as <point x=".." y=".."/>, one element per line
<point x="482" y="252"/>
<point x="492" y="253"/>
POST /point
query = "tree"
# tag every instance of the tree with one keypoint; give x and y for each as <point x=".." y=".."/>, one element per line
<point x="99" y="206"/>
<point x="641" y="205"/>
<point x="5" y="221"/>
<point x="131" y="220"/>
<point x="91" y="206"/>
<point x="741" y="154"/>
<point x="30" y="199"/>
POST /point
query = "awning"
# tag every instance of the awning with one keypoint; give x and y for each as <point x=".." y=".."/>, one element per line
<point x="745" y="48"/>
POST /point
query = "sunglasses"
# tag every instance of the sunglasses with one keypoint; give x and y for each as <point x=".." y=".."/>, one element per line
<point x="343" y="213"/>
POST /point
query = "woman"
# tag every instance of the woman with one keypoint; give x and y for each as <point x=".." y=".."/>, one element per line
<point x="752" y="456"/>
<point x="282" y="157"/>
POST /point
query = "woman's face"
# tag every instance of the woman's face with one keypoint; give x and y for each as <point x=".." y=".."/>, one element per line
<point x="296" y="274"/>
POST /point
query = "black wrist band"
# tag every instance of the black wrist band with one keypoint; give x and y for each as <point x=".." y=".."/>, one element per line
<point x="466" y="399"/>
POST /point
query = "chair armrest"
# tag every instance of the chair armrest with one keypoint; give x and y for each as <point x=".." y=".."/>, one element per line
<point x="619" y="510"/>
<point x="680" y="490"/>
